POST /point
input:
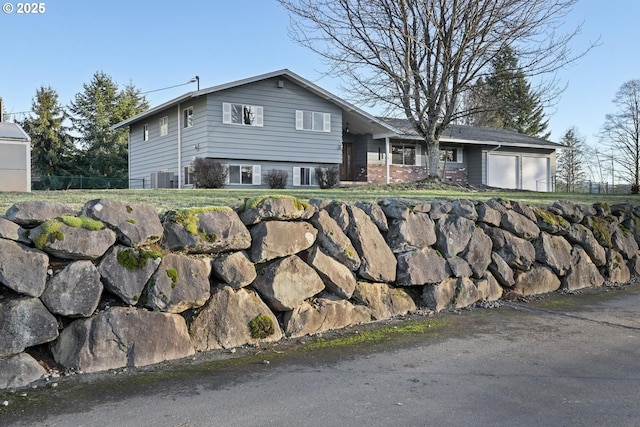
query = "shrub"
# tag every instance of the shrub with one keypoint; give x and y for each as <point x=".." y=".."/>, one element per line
<point x="209" y="173"/>
<point x="328" y="177"/>
<point x="635" y="189"/>
<point x="277" y="178"/>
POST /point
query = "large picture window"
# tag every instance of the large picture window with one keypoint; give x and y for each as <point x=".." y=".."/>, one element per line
<point x="242" y="114"/>
<point x="403" y="154"/>
<point x="313" y="121"/>
<point x="244" y="174"/>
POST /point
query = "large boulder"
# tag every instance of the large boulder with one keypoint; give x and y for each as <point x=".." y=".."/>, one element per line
<point x="466" y="293"/>
<point x="23" y="269"/>
<point x="519" y="225"/>
<point x="517" y="252"/>
<point x="439" y="209"/>
<point x="416" y="231"/>
<point x="323" y="314"/>
<point x="29" y="213"/>
<point x="459" y="267"/>
<point x="464" y="208"/>
<point x="286" y="282"/>
<point x="400" y="208"/>
<point x="10" y="230"/>
<point x="553" y="251"/>
<point x="383" y="300"/>
<point x="501" y="270"/>
<point x="539" y="280"/>
<point x="581" y="235"/>
<point x="122" y="337"/>
<point x="453" y="234"/>
<point x="73" y="238"/>
<point x="277" y="239"/>
<point x="478" y="252"/>
<point x="235" y="269"/>
<point x="583" y="273"/>
<point x="438" y="297"/>
<point x="179" y="283"/>
<point x="624" y="242"/>
<point x="602" y="227"/>
<point x="488" y="288"/>
<point x="376" y="214"/>
<point x="20" y="371"/>
<point x="134" y="224"/>
<point x="127" y="270"/>
<point x="205" y="230"/>
<point x="265" y="208"/>
<point x="377" y="260"/>
<point x="74" y="291"/>
<point x="487" y="214"/>
<point x="551" y="222"/>
<point x="226" y="321"/>
<point x="25" y="322"/>
<point x="568" y="210"/>
<point x="420" y="267"/>
<point x="616" y="268"/>
<point x="337" y="278"/>
<point x="334" y="241"/>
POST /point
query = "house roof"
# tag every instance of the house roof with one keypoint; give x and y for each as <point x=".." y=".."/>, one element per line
<point x="465" y="134"/>
<point x="357" y="118"/>
<point x="13" y="132"/>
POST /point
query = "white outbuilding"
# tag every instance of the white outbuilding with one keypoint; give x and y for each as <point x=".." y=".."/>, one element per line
<point x="15" y="158"/>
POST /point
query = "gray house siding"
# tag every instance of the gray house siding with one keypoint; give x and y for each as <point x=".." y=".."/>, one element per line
<point x="475" y="158"/>
<point x="266" y="167"/>
<point x="275" y="139"/>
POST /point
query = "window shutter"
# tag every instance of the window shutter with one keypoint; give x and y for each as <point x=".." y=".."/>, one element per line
<point x="226" y="178"/>
<point x="296" y="176"/>
<point x="226" y="113"/>
<point x="459" y="157"/>
<point x="299" y="120"/>
<point x="256" y="176"/>
<point x="259" y="117"/>
<point x="327" y="122"/>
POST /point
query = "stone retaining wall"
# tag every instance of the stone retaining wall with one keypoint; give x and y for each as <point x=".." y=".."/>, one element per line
<point x="116" y="285"/>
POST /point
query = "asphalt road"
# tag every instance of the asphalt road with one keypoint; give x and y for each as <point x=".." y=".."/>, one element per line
<point x="562" y="361"/>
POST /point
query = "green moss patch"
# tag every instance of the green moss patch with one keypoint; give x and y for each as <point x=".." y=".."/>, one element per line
<point x="189" y="219"/>
<point x="551" y="218"/>
<point x="49" y="233"/>
<point x="261" y="327"/>
<point x="254" y="202"/>
<point x="82" y="221"/>
<point x="172" y="273"/>
<point x="135" y="260"/>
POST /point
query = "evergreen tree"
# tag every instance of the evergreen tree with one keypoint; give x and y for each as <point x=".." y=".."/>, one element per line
<point x="52" y="150"/>
<point x="570" y="162"/>
<point x="505" y="99"/>
<point x="94" y="110"/>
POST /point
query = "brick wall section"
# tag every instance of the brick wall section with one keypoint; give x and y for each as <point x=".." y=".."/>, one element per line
<point x="399" y="173"/>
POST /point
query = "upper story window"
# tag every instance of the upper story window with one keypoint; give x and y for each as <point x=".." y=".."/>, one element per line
<point x="314" y="121"/>
<point x="242" y="114"/>
<point x="164" y="126"/>
<point x="451" y="155"/>
<point x="188" y="117"/>
<point x="403" y="154"/>
<point x="145" y="132"/>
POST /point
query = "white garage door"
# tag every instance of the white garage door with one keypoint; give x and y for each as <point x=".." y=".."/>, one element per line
<point x="535" y="173"/>
<point x="502" y="170"/>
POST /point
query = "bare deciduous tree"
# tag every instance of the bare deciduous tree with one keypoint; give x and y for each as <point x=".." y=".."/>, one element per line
<point x="417" y="57"/>
<point x="622" y="132"/>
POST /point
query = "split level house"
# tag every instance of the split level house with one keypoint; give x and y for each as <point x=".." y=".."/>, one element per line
<point x="282" y="121"/>
<point x="15" y="158"/>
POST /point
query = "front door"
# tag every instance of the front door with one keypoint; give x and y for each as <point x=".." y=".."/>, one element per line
<point x="346" y="169"/>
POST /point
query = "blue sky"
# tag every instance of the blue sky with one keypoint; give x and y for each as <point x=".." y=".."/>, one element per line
<point x="160" y="43"/>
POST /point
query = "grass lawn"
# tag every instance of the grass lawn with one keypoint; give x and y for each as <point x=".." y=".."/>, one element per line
<point x="166" y="199"/>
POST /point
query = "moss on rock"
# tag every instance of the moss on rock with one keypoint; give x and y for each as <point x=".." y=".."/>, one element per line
<point x="261" y="327"/>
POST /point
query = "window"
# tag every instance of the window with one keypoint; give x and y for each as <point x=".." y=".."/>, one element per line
<point x="164" y="126"/>
<point x="188" y="175"/>
<point x="451" y="155"/>
<point x="313" y="121"/>
<point x="241" y="114"/>
<point x="304" y="176"/>
<point x="188" y="117"/>
<point x="145" y="132"/>
<point x="403" y="154"/>
<point x="244" y="174"/>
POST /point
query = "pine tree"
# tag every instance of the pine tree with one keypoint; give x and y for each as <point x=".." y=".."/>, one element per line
<point x="505" y="99"/>
<point x="570" y="162"/>
<point x="94" y="110"/>
<point x="52" y="151"/>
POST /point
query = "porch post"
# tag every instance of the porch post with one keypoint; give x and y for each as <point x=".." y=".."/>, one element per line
<point x="386" y="159"/>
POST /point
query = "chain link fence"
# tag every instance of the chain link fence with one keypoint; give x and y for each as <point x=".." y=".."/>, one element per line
<point x="53" y="182"/>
